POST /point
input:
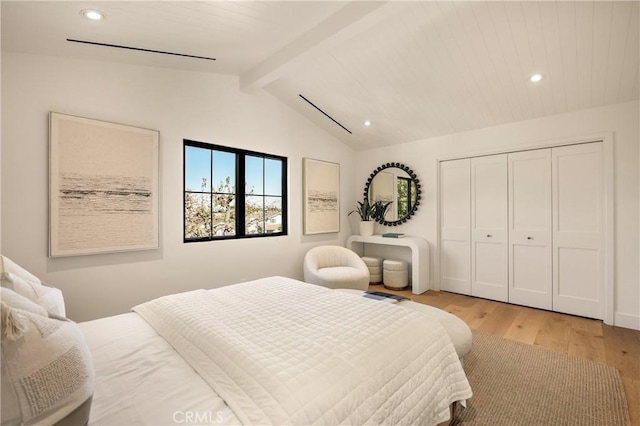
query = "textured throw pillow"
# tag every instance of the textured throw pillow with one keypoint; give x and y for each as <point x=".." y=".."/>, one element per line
<point x="47" y="372"/>
<point x="49" y="298"/>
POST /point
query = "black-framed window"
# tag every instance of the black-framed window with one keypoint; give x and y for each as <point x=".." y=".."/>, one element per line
<point x="232" y="193"/>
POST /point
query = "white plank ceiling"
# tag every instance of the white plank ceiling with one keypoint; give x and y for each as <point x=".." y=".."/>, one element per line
<point x="414" y="69"/>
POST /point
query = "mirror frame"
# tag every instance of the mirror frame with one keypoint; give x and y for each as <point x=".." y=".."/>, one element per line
<point x="414" y="178"/>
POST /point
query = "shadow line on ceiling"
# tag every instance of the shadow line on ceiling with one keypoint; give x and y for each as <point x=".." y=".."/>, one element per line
<point x="140" y="49"/>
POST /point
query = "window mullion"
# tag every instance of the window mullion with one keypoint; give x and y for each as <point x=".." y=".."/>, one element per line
<point x="184" y="192"/>
<point x="264" y="197"/>
<point x="284" y="191"/>
<point x="240" y="195"/>
<point x="211" y="195"/>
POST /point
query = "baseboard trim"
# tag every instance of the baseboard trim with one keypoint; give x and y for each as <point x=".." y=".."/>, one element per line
<point x="627" y="321"/>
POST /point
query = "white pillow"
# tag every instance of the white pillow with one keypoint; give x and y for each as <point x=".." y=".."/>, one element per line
<point x="23" y="287"/>
<point x="14" y="300"/>
<point x="47" y="372"/>
<point x="52" y="300"/>
<point x="7" y="265"/>
<point x="49" y="298"/>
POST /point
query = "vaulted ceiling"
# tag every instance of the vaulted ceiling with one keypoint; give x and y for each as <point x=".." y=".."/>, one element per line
<point x="414" y="69"/>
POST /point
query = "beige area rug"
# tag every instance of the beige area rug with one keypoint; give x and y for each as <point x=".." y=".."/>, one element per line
<point x="518" y="384"/>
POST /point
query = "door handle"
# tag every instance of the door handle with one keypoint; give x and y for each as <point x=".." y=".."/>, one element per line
<point x="529" y="238"/>
<point x="488" y="236"/>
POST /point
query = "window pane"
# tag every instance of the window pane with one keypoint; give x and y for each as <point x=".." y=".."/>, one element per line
<point x="254" y="214"/>
<point x="224" y="172"/>
<point x="273" y="215"/>
<point x="254" y="172"/>
<point x="224" y="215"/>
<point x="197" y="215"/>
<point x="403" y="197"/>
<point x="273" y="177"/>
<point x="197" y="163"/>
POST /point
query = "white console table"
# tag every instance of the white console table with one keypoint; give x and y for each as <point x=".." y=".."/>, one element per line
<point x="419" y="256"/>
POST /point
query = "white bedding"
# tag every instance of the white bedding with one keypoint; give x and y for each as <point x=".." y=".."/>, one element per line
<point x="142" y="380"/>
<point x="283" y="352"/>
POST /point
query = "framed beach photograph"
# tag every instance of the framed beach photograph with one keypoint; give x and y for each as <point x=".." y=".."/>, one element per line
<point x="103" y="187"/>
<point x="321" y="187"/>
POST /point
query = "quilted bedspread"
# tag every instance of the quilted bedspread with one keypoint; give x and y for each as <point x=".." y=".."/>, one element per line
<point x="280" y="351"/>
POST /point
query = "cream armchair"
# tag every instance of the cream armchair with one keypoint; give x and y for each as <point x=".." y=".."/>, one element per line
<point x="335" y="267"/>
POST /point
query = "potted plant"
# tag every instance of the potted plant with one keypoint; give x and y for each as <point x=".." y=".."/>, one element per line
<point x="368" y="213"/>
<point x="365" y="211"/>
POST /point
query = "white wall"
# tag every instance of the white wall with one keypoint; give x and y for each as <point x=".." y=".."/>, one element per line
<point x="622" y="119"/>
<point x="0" y="141"/>
<point x="179" y="104"/>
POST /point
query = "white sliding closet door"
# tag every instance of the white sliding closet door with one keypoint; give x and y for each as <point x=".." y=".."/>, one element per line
<point x="455" y="251"/>
<point x="489" y="251"/>
<point x="578" y="273"/>
<point x="530" y="272"/>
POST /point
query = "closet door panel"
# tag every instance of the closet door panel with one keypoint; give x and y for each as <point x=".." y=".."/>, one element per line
<point x="578" y="275"/>
<point x="530" y="273"/>
<point x="529" y="280"/>
<point x="489" y="276"/>
<point x="489" y="252"/>
<point x="455" y="253"/>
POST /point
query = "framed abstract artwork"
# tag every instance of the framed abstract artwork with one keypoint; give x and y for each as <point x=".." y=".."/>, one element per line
<point x="103" y="187"/>
<point x="321" y="188"/>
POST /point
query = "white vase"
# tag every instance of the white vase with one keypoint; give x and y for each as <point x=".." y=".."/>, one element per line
<point x="366" y="227"/>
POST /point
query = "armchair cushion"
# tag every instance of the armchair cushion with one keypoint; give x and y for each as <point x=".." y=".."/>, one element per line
<point x="335" y="267"/>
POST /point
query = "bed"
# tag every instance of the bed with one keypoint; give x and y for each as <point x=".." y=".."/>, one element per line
<point x="270" y="351"/>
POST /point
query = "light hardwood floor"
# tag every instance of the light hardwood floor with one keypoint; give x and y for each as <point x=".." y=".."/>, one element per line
<point x="577" y="336"/>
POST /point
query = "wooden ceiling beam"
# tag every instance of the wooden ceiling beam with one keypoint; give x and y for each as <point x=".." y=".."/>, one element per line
<point x="352" y="19"/>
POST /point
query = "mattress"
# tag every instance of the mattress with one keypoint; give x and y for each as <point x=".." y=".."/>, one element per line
<point x="142" y="380"/>
<point x="173" y="369"/>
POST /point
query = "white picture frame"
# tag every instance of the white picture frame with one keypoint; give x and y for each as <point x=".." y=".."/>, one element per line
<point x="321" y="199"/>
<point x="103" y="187"/>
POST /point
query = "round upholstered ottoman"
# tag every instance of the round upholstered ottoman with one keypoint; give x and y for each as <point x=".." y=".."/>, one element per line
<point x="395" y="274"/>
<point x="375" y="268"/>
<point x="458" y="331"/>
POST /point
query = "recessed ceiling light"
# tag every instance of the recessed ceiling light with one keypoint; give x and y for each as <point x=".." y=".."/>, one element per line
<point x="367" y="123"/>
<point x="535" y="78"/>
<point x="92" y="14"/>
